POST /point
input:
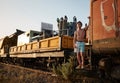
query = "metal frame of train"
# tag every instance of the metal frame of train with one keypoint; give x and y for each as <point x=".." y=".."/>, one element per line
<point x="102" y="48"/>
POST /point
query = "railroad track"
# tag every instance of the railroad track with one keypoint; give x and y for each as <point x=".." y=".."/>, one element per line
<point x="38" y="74"/>
<point x="29" y="69"/>
<point x="17" y="74"/>
<point x="27" y="64"/>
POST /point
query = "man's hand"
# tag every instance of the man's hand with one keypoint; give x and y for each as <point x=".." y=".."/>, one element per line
<point x="75" y="45"/>
<point x="86" y="25"/>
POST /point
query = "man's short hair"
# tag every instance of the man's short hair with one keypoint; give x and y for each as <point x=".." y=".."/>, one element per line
<point x="79" y="22"/>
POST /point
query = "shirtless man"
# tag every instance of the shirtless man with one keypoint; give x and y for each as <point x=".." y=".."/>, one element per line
<point x="79" y="43"/>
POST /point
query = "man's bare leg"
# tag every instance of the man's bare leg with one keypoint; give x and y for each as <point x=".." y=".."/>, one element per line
<point x="82" y="58"/>
<point x="79" y="60"/>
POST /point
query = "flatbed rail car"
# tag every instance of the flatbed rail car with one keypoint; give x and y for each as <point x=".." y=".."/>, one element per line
<point x="54" y="47"/>
<point x="50" y="47"/>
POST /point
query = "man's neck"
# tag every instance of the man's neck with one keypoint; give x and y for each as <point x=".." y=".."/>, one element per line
<point x="79" y="28"/>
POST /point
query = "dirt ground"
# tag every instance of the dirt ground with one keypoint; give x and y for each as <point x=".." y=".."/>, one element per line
<point x="17" y="74"/>
<point x="12" y="74"/>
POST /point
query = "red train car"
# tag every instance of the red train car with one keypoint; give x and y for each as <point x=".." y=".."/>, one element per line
<point x="105" y="26"/>
<point x="105" y="34"/>
<point x="105" y="18"/>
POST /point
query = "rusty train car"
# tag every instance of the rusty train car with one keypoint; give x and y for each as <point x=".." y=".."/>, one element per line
<point x="7" y="42"/>
<point x="105" y="25"/>
<point x="105" y="34"/>
<point x="102" y="48"/>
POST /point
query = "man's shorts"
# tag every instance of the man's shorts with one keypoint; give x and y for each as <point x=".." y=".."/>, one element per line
<point x="80" y="46"/>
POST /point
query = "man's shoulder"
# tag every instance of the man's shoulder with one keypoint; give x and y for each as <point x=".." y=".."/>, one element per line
<point x="75" y="32"/>
<point x="83" y="29"/>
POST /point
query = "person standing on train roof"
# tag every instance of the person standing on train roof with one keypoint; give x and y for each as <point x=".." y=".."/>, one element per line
<point x="79" y="43"/>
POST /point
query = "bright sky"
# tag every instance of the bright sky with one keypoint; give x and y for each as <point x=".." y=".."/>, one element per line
<point x="28" y="14"/>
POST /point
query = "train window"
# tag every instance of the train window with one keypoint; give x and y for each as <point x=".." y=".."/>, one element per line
<point x="35" y="34"/>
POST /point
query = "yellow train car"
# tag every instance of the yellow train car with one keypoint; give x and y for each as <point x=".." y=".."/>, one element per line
<point x="50" y="47"/>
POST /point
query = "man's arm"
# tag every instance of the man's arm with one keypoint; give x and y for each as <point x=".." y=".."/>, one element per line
<point x="74" y="39"/>
<point x="87" y="26"/>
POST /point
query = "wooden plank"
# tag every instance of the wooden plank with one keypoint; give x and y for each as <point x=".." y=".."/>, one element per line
<point x="67" y="42"/>
<point x="35" y="55"/>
